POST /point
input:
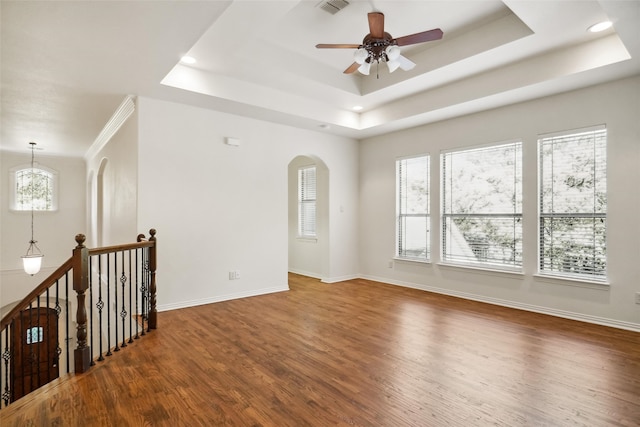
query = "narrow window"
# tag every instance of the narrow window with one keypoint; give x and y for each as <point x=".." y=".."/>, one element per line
<point x="307" y="202"/>
<point x="412" y="208"/>
<point x="573" y="204"/>
<point x="482" y="206"/>
<point x="35" y="187"/>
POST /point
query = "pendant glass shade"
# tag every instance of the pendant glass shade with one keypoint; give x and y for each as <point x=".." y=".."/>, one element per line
<point x="32" y="261"/>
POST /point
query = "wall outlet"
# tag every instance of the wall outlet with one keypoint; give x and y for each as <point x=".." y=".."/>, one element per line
<point x="390" y="265"/>
<point x="637" y="297"/>
<point x="233" y="275"/>
<point x="237" y="274"/>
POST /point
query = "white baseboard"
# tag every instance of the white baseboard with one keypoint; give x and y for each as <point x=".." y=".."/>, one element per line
<point x="603" y="321"/>
<point x="339" y="278"/>
<point x="220" y="298"/>
<point x="305" y="273"/>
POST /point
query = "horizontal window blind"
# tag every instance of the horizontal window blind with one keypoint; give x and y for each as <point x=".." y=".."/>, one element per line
<point x="412" y="208"/>
<point x="482" y="206"/>
<point x="307" y="202"/>
<point x="573" y="204"/>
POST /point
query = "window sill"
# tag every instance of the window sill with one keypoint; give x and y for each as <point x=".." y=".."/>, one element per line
<point x="573" y="281"/>
<point x="307" y="239"/>
<point x="412" y="260"/>
<point x="514" y="273"/>
<point x="36" y="211"/>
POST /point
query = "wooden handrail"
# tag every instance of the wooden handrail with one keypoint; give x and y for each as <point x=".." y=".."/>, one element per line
<point x="118" y="248"/>
<point x="49" y="281"/>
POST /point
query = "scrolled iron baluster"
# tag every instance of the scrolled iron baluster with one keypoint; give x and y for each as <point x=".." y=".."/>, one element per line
<point x="108" y="311"/>
<point x="115" y="297"/>
<point x="130" y="301"/>
<point x="100" y="306"/>
<point x="6" y="356"/>
<point x="123" y="311"/>
<point x="67" y="323"/>
<point x="137" y="251"/>
<point x="93" y="362"/>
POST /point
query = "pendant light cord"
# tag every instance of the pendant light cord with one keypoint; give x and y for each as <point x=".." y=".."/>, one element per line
<point x="33" y="147"/>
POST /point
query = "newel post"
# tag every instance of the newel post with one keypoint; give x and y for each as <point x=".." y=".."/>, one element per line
<point x="82" y="353"/>
<point x="153" y="312"/>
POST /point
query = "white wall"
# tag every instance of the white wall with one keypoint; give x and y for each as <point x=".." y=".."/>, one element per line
<point x="219" y="208"/>
<point x="54" y="231"/>
<point x="119" y="176"/>
<point x="615" y="104"/>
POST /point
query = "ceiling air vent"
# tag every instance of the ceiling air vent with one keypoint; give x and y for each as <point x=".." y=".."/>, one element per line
<point x="333" y="6"/>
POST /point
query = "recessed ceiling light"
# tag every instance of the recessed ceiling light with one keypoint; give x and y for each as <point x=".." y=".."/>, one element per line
<point x="357" y="108"/>
<point x="600" y="26"/>
<point x="188" y="60"/>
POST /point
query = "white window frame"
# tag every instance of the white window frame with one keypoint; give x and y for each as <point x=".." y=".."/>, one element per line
<point x="13" y="189"/>
<point x="402" y="211"/>
<point x="469" y="255"/>
<point x="570" y="269"/>
<point x="307" y="198"/>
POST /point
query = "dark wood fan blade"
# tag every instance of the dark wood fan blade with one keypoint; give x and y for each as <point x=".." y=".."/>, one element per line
<point x="337" y="46"/>
<point x="376" y="25"/>
<point x="352" y="68"/>
<point x="425" y="36"/>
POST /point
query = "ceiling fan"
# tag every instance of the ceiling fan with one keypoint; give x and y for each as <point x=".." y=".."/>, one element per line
<point x="379" y="46"/>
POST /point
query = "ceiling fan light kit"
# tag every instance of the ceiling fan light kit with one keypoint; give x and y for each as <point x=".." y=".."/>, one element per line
<point x="379" y="46"/>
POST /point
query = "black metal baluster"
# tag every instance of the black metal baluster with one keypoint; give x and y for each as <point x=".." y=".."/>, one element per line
<point x="45" y="336"/>
<point x="130" y="302"/>
<point x="136" y="292"/>
<point x="6" y="355"/>
<point x="115" y="293"/>
<point x="143" y="294"/>
<point x="92" y="344"/>
<point x="35" y="345"/>
<point x="29" y="356"/>
<point x="108" y="310"/>
<point x="123" y="311"/>
<point x="58" y="312"/>
<point x="100" y="306"/>
<point x="68" y="322"/>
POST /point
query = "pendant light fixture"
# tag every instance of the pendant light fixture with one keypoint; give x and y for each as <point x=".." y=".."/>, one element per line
<point x="32" y="260"/>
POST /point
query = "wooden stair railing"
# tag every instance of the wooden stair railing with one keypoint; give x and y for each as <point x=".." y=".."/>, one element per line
<point x="35" y="335"/>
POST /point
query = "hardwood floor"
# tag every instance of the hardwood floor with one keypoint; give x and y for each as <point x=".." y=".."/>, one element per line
<point x="353" y="353"/>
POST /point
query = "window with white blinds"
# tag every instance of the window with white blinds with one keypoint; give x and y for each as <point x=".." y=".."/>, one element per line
<point x="412" y="208"/>
<point x="482" y="206"/>
<point x="573" y="204"/>
<point x="307" y="202"/>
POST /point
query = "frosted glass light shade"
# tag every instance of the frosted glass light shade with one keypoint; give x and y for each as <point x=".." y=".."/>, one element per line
<point x="364" y="68"/>
<point x="32" y="263"/>
<point x="393" y="52"/>
<point x="360" y="55"/>
<point x="393" y="65"/>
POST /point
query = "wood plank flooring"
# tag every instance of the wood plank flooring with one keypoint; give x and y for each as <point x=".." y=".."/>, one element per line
<point x="356" y="353"/>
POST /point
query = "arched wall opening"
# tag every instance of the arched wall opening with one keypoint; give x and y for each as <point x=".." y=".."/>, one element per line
<point x="100" y="203"/>
<point x="309" y="256"/>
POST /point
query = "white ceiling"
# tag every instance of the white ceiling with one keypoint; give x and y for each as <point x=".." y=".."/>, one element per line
<point x="66" y="66"/>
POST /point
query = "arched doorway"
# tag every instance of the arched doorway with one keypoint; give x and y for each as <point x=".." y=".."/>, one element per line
<point x="309" y="256"/>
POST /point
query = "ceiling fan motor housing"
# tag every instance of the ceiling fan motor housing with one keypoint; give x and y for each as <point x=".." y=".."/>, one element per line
<point x="377" y="47"/>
